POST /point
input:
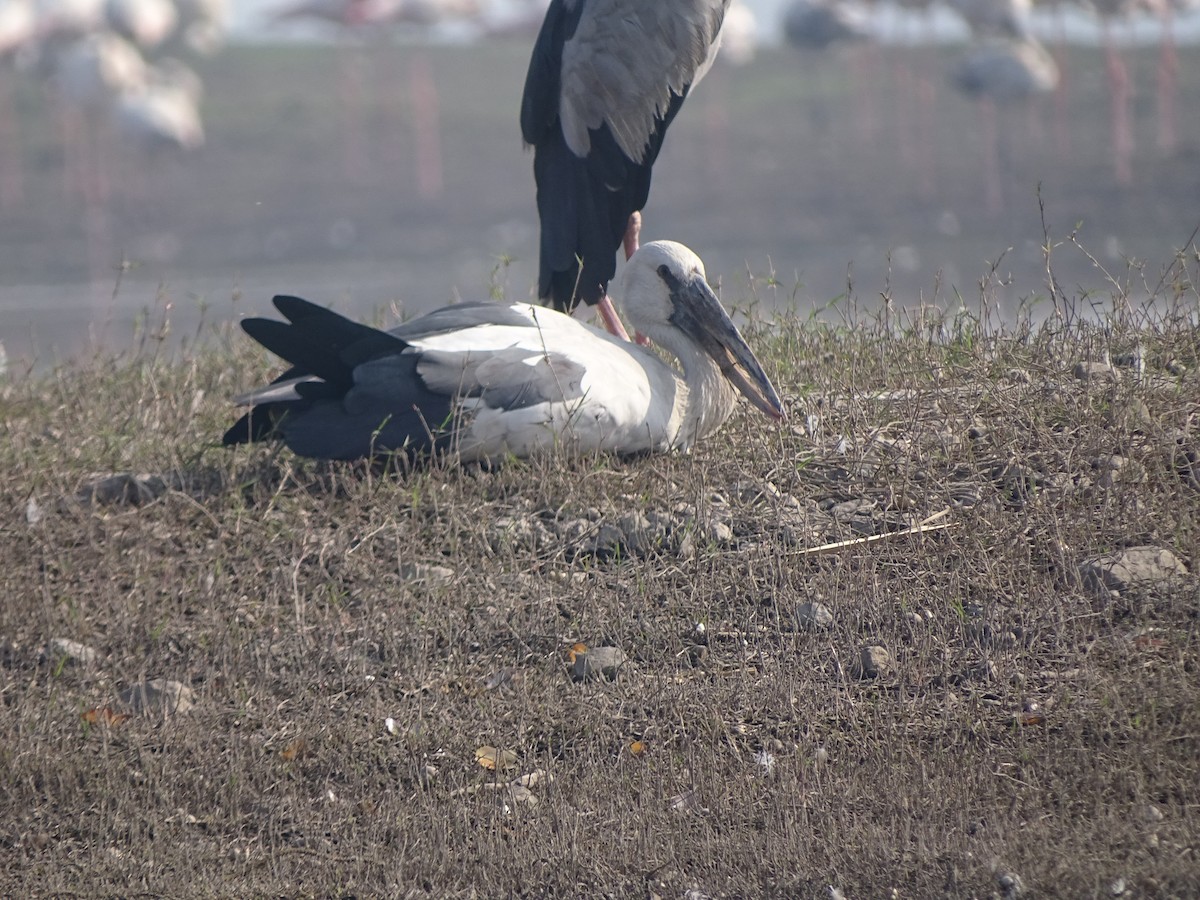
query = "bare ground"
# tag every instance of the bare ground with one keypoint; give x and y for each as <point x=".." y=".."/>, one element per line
<point x="353" y="637"/>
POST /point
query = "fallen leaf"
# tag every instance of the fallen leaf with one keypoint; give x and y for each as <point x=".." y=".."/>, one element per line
<point x="637" y="748"/>
<point x="495" y="760"/>
<point x="104" y="715"/>
<point x="574" y="650"/>
<point x="295" y="750"/>
<point x="1031" y="718"/>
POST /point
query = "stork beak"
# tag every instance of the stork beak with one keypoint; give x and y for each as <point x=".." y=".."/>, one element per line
<point x="699" y="313"/>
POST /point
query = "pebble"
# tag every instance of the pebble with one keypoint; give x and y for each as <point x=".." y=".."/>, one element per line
<point x="159" y="696"/>
<point x="1095" y="371"/>
<point x="1128" y="414"/>
<point x="421" y="573"/>
<point x="813" y="615"/>
<point x="1010" y="884"/>
<point x="72" y="651"/>
<point x="122" y="489"/>
<point x="1134" y="567"/>
<point x="598" y="663"/>
<point x="873" y="662"/>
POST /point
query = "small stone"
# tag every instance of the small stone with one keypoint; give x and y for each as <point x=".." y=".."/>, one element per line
<point x="421" y="573"/>
<point x="71" y="651"/>
<point x="1095" y="371"/>
<point x="755" y="491"/>
<point x="1128" y="414"/>
<point x="522" y="796"/>
<point x="1134" y="567"/>
<point x="914" y="619"/>
<point x="718" y="532"/>
<point x="1153" y="814"/>
<point x="160" y="697"/>
<point x="813" y="615"/>
<point x="609" y="541"/>
<point x="597" y="663"/>
<point x="1010" y="884"/>
<point x="849" y="509"/>
<point x="638" y="536"/>
<point x="873" y="662"/>
<point x="1018" y="376"/>
<point x="122" y="489"/>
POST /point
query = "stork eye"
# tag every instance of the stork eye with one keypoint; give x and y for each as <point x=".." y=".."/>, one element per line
<point x="668" y="277"/>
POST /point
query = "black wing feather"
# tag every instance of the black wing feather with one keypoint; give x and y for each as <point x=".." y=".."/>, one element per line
<point x="584" y="204"/>
<point x="346" y="411"/>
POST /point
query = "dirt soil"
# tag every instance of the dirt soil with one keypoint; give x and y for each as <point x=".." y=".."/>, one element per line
<point x="894" y="647"/>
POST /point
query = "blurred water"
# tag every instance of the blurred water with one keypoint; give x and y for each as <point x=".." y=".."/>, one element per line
<point x="810" y="174"/>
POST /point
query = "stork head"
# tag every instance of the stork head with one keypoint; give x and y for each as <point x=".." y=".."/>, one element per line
<point x="666" y="297"/>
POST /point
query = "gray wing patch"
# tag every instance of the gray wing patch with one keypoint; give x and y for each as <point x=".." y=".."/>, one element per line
<point x="624" y="62"/>
<point x="459" y="317"/>
<point x="515" y="378"/>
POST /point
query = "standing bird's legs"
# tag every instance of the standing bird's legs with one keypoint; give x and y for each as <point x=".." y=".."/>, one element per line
<point x="611" y="320"/>
<point x="608" y="312"/>
<point x="1119" y="102"/>
<point x="632" y="231"/>
<point x="1168" y="84"/>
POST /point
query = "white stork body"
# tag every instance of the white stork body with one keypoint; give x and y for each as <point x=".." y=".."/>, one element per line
<point x="66" y="19"/>
<point x="160" y="116"/>
<point x="605" y="80"/>
<point x="995" y="17"/>
<point x="202" y="24"/>
<point x="739" y="35"/>
<point x="1002" y="71"/>
<point x="18" y="22"/>
<point x="425" y="12"/>
<point x="147" y="23"/>
<point x="484" y="380"/>
<point x="818" y="24"/>
<point x="93" y="71"/>
<point x="336" y="12"/>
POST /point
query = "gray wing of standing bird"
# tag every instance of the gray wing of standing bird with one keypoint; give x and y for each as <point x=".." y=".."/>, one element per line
<point x="1006" y="70"/>
<point x="485" y="380"/>
<point x="818" y="24"/>
<point x="605" y="80"/>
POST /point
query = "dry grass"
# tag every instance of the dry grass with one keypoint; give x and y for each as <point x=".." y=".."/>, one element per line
<point x="1027" y="730"/>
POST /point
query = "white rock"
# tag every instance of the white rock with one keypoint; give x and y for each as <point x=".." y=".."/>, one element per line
<point x="160" y="697"/>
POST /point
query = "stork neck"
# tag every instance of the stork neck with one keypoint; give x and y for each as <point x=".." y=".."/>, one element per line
<point x="709" y="399"/>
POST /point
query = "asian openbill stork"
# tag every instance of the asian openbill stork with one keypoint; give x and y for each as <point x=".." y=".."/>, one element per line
<point x="482" y="381"/>
<point x="605" y="81"/>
